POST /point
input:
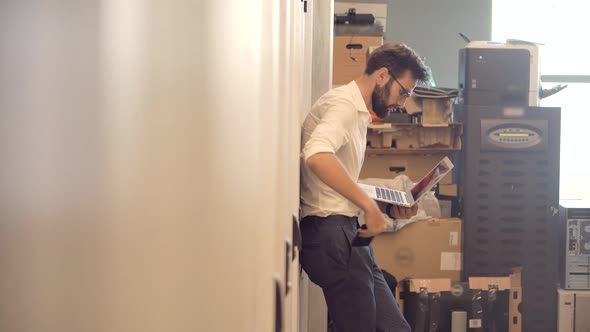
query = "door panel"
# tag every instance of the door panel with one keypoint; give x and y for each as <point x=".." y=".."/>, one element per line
<point x="149" y="169"/>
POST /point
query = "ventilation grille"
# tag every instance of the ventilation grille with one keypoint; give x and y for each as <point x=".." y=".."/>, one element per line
<point x="507" y="225"/>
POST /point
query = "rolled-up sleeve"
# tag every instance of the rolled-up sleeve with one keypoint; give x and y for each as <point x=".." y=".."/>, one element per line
<point x="333" y="129"/>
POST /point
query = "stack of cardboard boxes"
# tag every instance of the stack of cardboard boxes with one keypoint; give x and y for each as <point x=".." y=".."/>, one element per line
<point x="427" y="257"/>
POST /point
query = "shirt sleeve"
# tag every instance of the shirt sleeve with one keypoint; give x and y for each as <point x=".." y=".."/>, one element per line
<point x="333" y="130"/>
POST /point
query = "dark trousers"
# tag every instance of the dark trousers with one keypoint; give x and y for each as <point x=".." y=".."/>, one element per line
<point x="356" y="293"/>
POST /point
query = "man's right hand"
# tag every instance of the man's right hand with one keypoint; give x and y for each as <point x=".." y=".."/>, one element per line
<point x="376" y="223"/>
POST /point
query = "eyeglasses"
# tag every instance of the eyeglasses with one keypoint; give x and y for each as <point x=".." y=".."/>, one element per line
<point x="407" y="94"/>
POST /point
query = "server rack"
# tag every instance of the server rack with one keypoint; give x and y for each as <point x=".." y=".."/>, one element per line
<point x="509" y="177"/>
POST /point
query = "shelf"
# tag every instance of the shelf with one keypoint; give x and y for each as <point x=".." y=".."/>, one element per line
<point x="390" y="151"/>
<point x="377" y="126"/>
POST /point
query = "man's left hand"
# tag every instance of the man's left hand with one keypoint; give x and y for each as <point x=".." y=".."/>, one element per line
<point x="401" y="212"/>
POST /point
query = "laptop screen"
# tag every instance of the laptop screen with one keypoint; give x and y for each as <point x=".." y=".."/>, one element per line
<point x="432" y="178"/>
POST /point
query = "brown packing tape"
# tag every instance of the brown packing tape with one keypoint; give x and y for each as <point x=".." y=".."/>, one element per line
<point x="515" y="319"/>
<point x="485" y="283"/>
<point x="502" y="283"/>
<point x="516" y="277"/>
<point x="431" y="285"/>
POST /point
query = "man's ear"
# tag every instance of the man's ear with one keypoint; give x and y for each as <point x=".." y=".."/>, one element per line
<point x="382" y="76"/>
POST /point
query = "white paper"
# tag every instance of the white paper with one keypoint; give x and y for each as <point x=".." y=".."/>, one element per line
<point x="474" y="323"/>
<point x="454" y="239"/>
<point x="450" y="261"/>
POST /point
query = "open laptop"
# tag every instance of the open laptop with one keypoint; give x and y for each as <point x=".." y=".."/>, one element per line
<point x="410" y="198"/>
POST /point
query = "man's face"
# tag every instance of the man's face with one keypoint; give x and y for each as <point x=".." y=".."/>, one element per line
<point x="392" y="94"/>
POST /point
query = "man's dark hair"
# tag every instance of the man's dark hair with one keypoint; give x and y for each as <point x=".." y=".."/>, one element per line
<point x="397" y="58"/>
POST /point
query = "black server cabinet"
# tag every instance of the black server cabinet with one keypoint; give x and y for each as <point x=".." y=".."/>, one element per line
<point x="509" y="176"/>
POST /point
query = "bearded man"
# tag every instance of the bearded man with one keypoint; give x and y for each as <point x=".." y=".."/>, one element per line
<point x="334" y="139"/>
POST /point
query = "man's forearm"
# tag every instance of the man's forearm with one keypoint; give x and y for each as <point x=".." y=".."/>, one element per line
<point x="329" y="169"/>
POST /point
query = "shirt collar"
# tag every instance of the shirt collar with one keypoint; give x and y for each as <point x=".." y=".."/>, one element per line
<point x="357" y="97"/>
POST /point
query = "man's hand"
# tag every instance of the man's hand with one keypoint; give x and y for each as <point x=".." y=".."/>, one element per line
<point x="329" y="169"/>
<point x="375" y="222"/>
<point x="401" y="212"/>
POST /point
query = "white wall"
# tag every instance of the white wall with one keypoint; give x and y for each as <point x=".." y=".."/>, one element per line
<point x="314" y="313"/>
<point x="149" y="170"/>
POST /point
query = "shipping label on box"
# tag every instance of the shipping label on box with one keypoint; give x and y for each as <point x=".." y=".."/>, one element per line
<point x="450" y="261"/>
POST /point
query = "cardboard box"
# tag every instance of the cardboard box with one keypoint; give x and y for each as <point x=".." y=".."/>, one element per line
<point x="432" y="285"/>
<point x="451" y="190"/>
<point x="350" y="56"/>
<point x="387" y="135"/>
<point x="436" y="112"/>
<point x="572" y="310"/>
<point x="424" y="249"/>
<point x="414" y="166"/>
<point x="444" y="297"/>
<point x="413" y="105"/>
<point x="431" y="303"/>
<point x="511" y="283"/>
<point x="440" y="137"/>
<point x="501" y="283"/>
<point x="448" y="199"/>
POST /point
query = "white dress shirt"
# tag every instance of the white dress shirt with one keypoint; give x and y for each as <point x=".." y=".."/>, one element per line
<point x="337" y="123"/>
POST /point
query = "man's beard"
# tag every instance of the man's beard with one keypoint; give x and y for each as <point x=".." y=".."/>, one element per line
<point x="379" y="99"/>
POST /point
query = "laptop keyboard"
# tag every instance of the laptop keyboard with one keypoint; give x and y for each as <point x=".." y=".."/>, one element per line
<point x="391" y="195"/>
